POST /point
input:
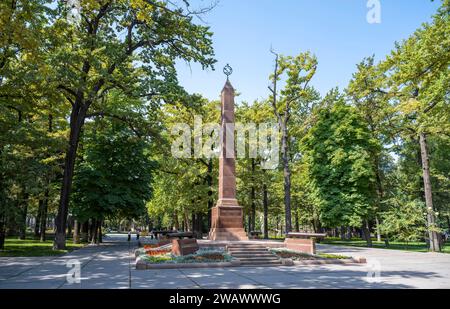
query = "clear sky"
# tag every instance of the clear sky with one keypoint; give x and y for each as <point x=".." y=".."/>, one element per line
<point x="336" y="31"/>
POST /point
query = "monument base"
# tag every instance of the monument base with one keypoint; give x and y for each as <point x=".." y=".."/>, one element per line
<point x="226" y="222"/>
<point x="227" y="234"/>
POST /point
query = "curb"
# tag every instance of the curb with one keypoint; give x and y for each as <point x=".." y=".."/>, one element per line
<point x="359" y="260"/>
<point x="142" y="264"/>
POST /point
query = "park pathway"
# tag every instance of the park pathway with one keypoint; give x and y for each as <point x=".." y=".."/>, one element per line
<point x="111" y="265"/>
<point x="104" y="266"/>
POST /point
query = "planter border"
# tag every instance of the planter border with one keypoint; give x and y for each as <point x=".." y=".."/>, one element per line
<point x="142" y="264"/>
<point x="358" y="260"/>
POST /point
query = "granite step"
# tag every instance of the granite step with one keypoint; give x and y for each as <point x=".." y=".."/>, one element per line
<point x="263" y="253"/>
<point x="261" y="263"/>
<point x="260" y="255"/>
<point x="253" y="255"/>
<point x="249" y="249"/>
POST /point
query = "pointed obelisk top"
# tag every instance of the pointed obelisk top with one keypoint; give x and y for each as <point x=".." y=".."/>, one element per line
<point x="228" y="70"/>
<point x="228" y="86"/>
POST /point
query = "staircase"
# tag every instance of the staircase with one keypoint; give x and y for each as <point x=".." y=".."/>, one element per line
<point x="253" y="254"/>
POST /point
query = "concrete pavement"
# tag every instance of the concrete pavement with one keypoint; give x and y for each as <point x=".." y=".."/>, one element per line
<point x="111" y="265"/>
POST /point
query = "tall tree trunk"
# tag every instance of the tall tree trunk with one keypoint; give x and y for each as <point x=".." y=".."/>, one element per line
<point x="23" y="219"/>
<point x="69" y="226"/>
<point x="76" y="232"/>
<point x="194" y="224"/>
<point x="378" y="228"/>
<point x="176" y="222"/>
<point x="380" y="194"/>
<point x="186" y="221"/>
<point x="92" y="227"/>
<point x="200" y="225"/>
<point x="366" y="233"/>
<point x="210" y="191"/>
<point x="431" y="220"/>
<point x="313" y="223"/>
<point x="197" y="225"/>
<point x="43" y="228"/>
<point x="342" y="232"/>
<point x="84" y="231"/>
<point x="2" y="231"/>
<point x="43" y="219"/>
<point x="99" y="232"/>
<point x="266" y="212"/>
<point x="287" y="178"/>
<point x="76" y="123"/>
<point x="252" y="220"/>
<point x="253" y="199"/>
<point x="282" y="122"/>
<point x="37" y="224"/>
<point x="94" y="230"/>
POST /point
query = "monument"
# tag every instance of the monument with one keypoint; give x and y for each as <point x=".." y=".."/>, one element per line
<point x="227" y="216"/>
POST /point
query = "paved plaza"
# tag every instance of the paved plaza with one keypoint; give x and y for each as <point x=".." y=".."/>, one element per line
<point x="111" y="265"/>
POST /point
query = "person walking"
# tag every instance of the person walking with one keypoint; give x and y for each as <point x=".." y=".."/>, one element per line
<point x="137" y="234"/>
<point x="129" y="236"/>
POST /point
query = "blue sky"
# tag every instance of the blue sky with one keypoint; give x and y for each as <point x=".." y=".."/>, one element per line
<point x="336" y="31"/>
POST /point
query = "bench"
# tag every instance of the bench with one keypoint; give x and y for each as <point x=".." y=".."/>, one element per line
<point x="180" y="235"/>
<point x="184" y="246"/>
<point x="305" y="235"/>
<point x="158" y="234"/>
<point x="255" y="234"/>
<point x="303" y="242"/>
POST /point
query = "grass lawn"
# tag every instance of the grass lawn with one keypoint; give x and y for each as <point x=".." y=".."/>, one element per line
<point x="31" y="247"/>
<point x="394" y="245"/>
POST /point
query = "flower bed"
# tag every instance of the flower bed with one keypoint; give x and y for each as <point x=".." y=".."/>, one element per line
<point x="158" y="252"/>
<point x="204" y="256"/>
<point x="146" y="257"/>
<point x="301" y="256"/>
<point x="152" y="246"/>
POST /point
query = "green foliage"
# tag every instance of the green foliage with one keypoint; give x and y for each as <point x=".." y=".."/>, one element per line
<point x="114" y="175"/>
<point x="338" y="147"/>
<point x="404" y="221"/>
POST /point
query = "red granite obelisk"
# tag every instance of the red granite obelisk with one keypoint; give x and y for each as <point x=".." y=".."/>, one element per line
<point x="227" y="216"/>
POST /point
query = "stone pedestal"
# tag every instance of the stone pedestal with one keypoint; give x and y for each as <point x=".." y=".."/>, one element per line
<point x="227" y="217"/>
<point x="302" y="245"/>
<point x="226" y="223"/>
<point x="184" y="246"/>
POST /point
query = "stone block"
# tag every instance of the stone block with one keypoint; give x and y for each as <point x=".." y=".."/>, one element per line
<point x="302" y="245"/>
<point x="184" y="246"/>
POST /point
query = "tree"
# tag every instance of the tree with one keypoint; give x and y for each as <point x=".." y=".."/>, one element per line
<point x="338" y="148"/>
<point x="418" y="78"/>
<point x="89" y="60"/>
<point x="299" y="71"/>
<point x="184" y="187"/>
<point x="404" y="221"/>
<point x="374" y="107"/>
<point x="114" y="174"/>
<point x="252" y="178"/>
